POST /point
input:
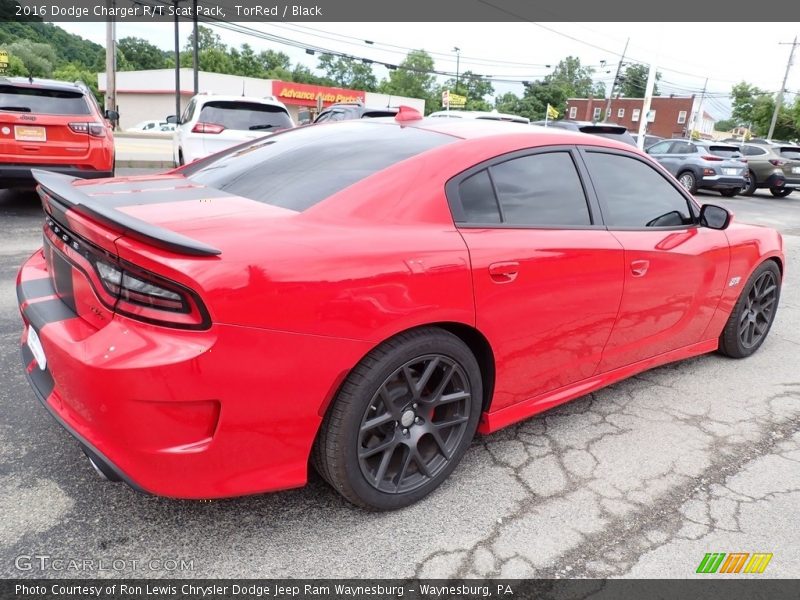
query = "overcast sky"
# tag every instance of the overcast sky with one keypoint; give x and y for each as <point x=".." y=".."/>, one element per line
<point x="686" y="53"/>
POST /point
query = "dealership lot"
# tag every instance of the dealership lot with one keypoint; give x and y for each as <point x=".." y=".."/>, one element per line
<point x="640" y="479"/>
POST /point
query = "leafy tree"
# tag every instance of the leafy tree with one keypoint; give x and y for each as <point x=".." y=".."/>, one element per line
<point x="349" y="72"/>
<point x="744" y="99"/>
<point x="414" y="78"/>
<point x="207" y="39"/>
<point x="38" y="58"/>
<point x="141" y="54"/>
<point x="633" y="82"/>
<point x="271" y="60"/>
<point x="474" y="87"/>
<point x="725" y="124"/>
<point x="509" y="103"/>
<point x="245" y="62"/>
<point x="78" y="72"/>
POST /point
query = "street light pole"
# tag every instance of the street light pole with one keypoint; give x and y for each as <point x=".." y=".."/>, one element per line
<point x="195" y="50"/>
<point x="457" y="50"/>
<point x="779" y="99"/>
<point x="177" y="63"/>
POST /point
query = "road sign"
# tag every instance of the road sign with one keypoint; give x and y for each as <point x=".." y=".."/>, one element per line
<point x="3" y="60"/>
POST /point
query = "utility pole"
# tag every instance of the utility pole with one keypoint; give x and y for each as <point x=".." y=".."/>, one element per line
<point x="111" y="63"/>
<point x="699" y="112"/>
<point x="616" y="78"/>
<point x="177" y="64"/>
<point x="648" y="97"/>
<point x="457" y="50"/>
<point x="195" y="49"/>
<point x="779" y="99"/>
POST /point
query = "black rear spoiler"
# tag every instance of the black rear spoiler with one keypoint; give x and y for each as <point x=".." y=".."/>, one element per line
<point x="59" y="187"/>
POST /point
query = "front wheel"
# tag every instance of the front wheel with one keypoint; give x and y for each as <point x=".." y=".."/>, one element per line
<point x="750" y="185"/>
<point x="688" y="181"/>
<point x="780" y="192"/>
<point x="402" y="420"/>
<point x="753" y="314"/>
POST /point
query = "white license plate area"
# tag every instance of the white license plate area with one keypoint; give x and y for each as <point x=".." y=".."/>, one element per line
<point x="26" y="133"/>
<point x="35" y="345"/>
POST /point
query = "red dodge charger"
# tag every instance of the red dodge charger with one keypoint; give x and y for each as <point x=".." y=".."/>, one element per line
<point x="365" y="296"/>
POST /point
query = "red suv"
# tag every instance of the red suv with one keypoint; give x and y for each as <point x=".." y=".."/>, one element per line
<point x="53" y="125"/>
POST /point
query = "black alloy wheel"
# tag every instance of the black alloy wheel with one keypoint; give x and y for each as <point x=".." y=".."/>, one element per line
<point x="754" y="312"/>
<point x="414" y="424"/>
<point x="781" y="192"/>
<point x="402" y="420"/>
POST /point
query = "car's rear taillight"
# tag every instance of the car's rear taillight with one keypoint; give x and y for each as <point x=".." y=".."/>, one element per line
<point x="711" y="157"/>
<point x="777" y="162"/>
<point x="93" y="129"/>
<point x="709" y="172"/>
<point x="149" y="297"/>
<point x="201" y="127"/>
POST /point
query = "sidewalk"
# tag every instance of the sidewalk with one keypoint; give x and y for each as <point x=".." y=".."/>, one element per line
<point x="143" y="151"/>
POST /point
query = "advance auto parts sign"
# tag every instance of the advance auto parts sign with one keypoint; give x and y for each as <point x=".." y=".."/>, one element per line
<point x="3" y="61"/>
<point x="306" y="95"/>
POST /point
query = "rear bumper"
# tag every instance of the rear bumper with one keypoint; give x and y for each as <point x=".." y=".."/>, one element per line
<point x="22" y="173"/>
<point x="717" y="182"/>
<point x="187" y="414"/>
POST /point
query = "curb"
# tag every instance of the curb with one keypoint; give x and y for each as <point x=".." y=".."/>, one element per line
<point x="142" y="136"/>
<point x="145" y="164"/>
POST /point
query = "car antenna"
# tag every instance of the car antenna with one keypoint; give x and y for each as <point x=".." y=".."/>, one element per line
<point x="242" y="87"/>
<point x="30" y="78"/>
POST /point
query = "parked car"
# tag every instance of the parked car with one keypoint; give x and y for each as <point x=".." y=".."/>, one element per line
<point x="370" y="309"/>
<point x="702" y="164"/>
<point x="478" y="114"/>
<point x="776" y="167"/>
<point x="151" y="126"/>
<point x="649" y="140"/>
<point x="52" y="125"/>
<point x="343" y="111"/>
<point x="211" y="123"/>
<point x="607" y="130"/>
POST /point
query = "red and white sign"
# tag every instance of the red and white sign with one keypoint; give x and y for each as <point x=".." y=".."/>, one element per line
<point x="305" y="94"/>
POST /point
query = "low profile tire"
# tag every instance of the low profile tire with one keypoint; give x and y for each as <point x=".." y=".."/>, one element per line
<point x="402" y="420"/>
<point x="729" y="193"/>
<point x="753" y="314"/>
<point x="688" y="181"/>
<point x="750" y="185"/>
<point x="780" y="192"/>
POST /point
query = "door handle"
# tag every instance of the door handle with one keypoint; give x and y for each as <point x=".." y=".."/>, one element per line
<point x="504" y="272"/>
<point x="639" y="267"/>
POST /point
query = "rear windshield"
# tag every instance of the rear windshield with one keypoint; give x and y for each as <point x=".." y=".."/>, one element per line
<point x="248" y="116"/>
<point x="790" y="152"/>
<point x="42" y="101"/>
<point x="298" y="168"/>
<point x="725" y="151"/>
<point x="374" y="114"/>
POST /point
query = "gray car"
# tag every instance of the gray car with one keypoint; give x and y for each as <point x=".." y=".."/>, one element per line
<point x="702" y="165"/>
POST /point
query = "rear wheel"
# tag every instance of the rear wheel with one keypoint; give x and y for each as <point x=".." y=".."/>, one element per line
<point x="753" y="314"/>
<point x="729" y="193"/>
<point x="688" y="181"/>
<point x="402" y="420"/>
<point x="780" y="192"/>
<point x="749" y="185"/>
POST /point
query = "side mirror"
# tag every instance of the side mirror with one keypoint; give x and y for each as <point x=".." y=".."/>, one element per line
<point x="112" y="115"/>
<point x="715" y="217"/>
<point x="173" y="119"/>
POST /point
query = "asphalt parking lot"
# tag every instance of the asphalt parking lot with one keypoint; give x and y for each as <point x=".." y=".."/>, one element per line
<point x="637" y="480"/>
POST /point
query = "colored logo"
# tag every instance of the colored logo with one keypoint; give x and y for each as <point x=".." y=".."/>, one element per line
<point x="734" y="562"/>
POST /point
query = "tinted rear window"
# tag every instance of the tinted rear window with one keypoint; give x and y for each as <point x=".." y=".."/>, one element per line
<point x="247" y="116"/>
<point x="298" y="168"/>
<point x="724" y="151"/>
<point x="374" y="114"/>
<point x="42" y="101"/>
<point x="791" y="152"/>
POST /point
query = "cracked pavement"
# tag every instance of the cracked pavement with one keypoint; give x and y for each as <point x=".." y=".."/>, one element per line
<point x="640" y="479"/>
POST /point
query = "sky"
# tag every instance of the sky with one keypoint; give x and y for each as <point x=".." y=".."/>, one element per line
<point x="685" y="53"/>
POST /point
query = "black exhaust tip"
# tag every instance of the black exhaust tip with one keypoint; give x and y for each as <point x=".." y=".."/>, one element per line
<point x="102" y="468"/>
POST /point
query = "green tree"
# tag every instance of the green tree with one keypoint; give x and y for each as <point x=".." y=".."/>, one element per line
<point x="272" y="61"/>
<point x="633" y="82"/>
<point x="725" y="124"/>
<point x="77" y="72"/>
<point x="349" y="72"/>
<point x="509" y="103"/>
<point x="38" y="58"/>
<point x="744" y="100"/>
<point x="206" y="40"/>
<point x="245" y="62"/>
<point x="414" y="78"/>
<point x="474" y="87"/>
<point x="141" y="54"/>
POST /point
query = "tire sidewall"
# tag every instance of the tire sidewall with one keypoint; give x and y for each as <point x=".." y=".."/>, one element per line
<point x="437" y="343"/>
<point x="741" y="350"/>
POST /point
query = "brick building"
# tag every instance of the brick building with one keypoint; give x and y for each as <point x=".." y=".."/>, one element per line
<point x="670" y="116"/>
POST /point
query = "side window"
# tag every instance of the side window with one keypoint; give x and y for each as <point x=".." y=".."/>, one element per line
<point x="682" y="148"/>
<point x="754" y="151"/>
<point x="541" y="189"/>
<point x="573" y="112"/>
<point x="323" y="116"/>
<point x="478" y="199"/>
<point x="659" y="148"/>
<point x="634" y="195"/>
<point x="188" y="112"/>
